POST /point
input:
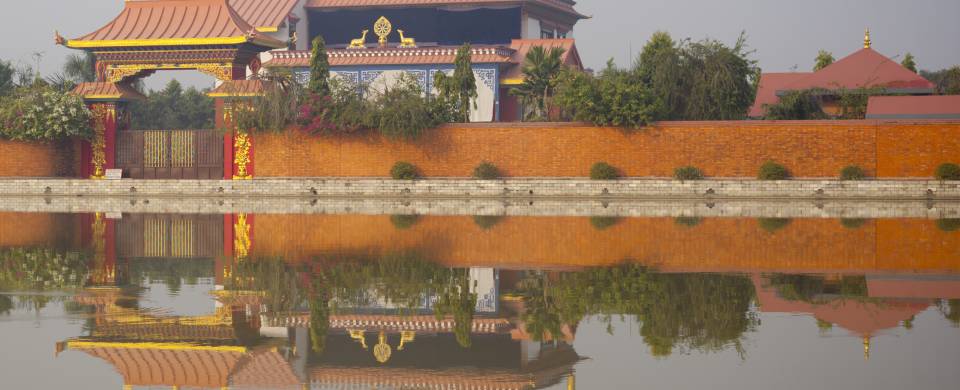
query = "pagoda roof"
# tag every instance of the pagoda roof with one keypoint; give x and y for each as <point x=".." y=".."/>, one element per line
<point x="565" y="6"/>
<point x="914" y="107"/>
<point x="107" y="92"/>
<point x="151" y="23"/>
<point x="264" y="15"/>
<point x="863" y="69"/>
<point x="522" y="47"/>
<point x="414" y="378"/>
<point x="392" y="56"/>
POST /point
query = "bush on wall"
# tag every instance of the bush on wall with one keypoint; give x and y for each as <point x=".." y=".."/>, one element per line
<point x="773" y="171"/>
<point x="604" y="171"/>
<point x="486" y="171"/>
<point x="688" y="173"/>
<point x="40" y="113"/>
<point x="404" y="171"/>
<point x="948" y="171"/>
<point x="853" y="172"/>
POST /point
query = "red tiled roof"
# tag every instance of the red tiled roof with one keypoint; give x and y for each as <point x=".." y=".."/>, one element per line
<point x="770" y="83"/>
<point x="571" y="57"/>
<point x="560" y="5"/>
<point x="264" y="369"/>
<point x="914" y="107"/>
<point x="865" y="68"/>
<point x="265" y="15"/>
<point x="174" y="23"/>
<point x="391" y="56"/>
<point x="107" y="91"/>
<point x="166" y="367"/>
<point x="412" y="378"/>
<point x="423" y="323"/>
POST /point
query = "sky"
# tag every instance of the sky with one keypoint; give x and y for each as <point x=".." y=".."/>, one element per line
<point x="785" y="34"/>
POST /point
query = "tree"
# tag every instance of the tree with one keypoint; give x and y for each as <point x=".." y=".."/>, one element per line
<point x="540" y="70"/>
<point x="824" y="59"/>
<point x="909" y="62"/>
<point x="81" y="69"/>
<point x="616" y="97"/>
<point x="660" y="67"/>
<point x="319" y="69"/>
<point x="460" y="90"/>
<point x="6" y="78"/>
<point x="947" y="80"/>
<point x="796" y="105"/>
<point x="173" y="108"/>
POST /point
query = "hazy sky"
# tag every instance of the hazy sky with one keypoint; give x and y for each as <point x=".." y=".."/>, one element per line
<point x="785" y="34"/>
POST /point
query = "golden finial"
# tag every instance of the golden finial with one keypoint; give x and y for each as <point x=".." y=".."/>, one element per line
<point x="866" y="39"/>
<point x="866" y="348"/>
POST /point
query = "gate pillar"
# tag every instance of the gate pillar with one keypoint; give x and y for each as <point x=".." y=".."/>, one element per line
<point x="238" y="147"/>
<point x="105" y="101"/>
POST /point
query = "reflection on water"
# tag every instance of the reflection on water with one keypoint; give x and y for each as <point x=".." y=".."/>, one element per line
<point x="491" y="302"/>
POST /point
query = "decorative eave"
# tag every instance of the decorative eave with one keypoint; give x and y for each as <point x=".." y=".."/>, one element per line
<point x="564" y="6"/>
<point x="239" y="88"/>
<point x="392" y="56"/>
<point x="84" y="344"/>
<point x="107" y="92"/>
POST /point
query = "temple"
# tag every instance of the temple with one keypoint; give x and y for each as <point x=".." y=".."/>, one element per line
<point x="864" y="69"/>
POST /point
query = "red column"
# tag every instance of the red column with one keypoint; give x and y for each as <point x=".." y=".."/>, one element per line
<point x="221" y="123"/>
<point x="105" y="115"/>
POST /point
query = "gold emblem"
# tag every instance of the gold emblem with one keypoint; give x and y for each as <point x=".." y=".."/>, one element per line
<point x="407" y="42"/>
<point x="382" y="28"/>
<point x="360" y="43"/>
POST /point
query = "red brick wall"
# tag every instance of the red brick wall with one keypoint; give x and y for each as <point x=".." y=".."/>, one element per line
<point x="720" y="149"/>
<point x="19" y="159"/>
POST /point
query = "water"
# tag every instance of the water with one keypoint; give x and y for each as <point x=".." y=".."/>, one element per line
<point x="330" y="301"/>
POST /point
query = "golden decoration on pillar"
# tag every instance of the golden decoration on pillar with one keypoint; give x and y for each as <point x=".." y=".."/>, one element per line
<point x="407" y="336"/>
<point x="241" y="237"/>
<point x="241" y="154"/>
<point x="382" y="28"/>
<point x="382" y="350"/>
<point x="866" y="348"/>
<point x="359" y="43"/>
<point x="103" y="274"/>
<point x="407" y="42"/>
<point x="359" y="336"/>
<point x="866" y="39"/>
<point x="98" y="144"/>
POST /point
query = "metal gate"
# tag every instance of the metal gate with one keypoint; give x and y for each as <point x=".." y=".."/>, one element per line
<point x="170" y="154"/>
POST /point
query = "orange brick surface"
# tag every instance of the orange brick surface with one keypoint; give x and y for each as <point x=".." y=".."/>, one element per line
<point x="20" y="159"/>
<point x="894" y="149"/>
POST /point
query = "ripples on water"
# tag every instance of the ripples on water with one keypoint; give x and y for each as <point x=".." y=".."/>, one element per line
<point x="487" y="302"/>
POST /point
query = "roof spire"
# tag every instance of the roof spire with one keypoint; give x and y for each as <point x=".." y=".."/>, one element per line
<point x="866" y="39"/>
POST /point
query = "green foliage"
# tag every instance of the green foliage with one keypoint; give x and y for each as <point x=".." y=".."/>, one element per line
<point x="853" y="223"/>
<point x="604" y="171"/>
<point x="688" y="173"/>
<point x="614" y="98"/>
<point x="688" y="221"/>
<point x="951" y="310"/>
<point x="486" y="171"/>
<point x="703" y="80"/>
<point x="909" y="62"/>
<point x="40" y="113"/>
<point x="459" y="302"/>
<point x="487" y="222"/>
<point x="853" y="102"/>
<point x="173" y="108"/>
<point x="274" y="111"/>
<point x="404" y="171"/>
<point x="459" y="91"/>
<point x="853" y="172"/>
<point x="41" y="269"/>
<point x="404" y="222"/>
<point x="946" y="80"/>
<point x="824" y="59"/>
<point x="403" y="111"/>
<point x="796" y="105"/>
<point x="540" y="70"/>
<point x="319" y="68"/>
<point x="6" y="78"/>
<point x="773" y="224"/>
<point x="947" y="171"/>
<point x="818" y="290"/>
<point x="604" y="223"/>
<point x="81" y="69"/>
<point x="319" y="303"/>
<point x="772" y="171"/>
<point x="948" y="224"/>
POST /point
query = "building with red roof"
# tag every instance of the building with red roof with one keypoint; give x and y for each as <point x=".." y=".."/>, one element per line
<point x="914" y="107"/>
<point x="865" y="68"/>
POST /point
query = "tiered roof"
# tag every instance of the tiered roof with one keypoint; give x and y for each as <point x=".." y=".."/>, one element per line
<point x="107" y="91"/>
<point x="565" y="6"/>
<point x="392" y="56"/>
<point x="264" y="15"/>
<point x="144" y="23"/>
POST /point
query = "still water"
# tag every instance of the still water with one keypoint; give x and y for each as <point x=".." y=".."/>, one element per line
<point x="110" y="301"/>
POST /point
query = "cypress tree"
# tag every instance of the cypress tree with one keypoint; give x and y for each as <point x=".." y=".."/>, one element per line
<point x="465" y="83"/>
<point x="319" y="69"/>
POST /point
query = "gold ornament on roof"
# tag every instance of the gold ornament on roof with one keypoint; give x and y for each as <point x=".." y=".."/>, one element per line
<point x="382" y="351"/>
<point x="359" y="43"/>
<point x="866" y="39"/>
<point x="407" y="42"/>
<point x="382" y="28"/>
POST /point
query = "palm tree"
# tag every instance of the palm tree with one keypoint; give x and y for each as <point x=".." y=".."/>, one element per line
<point x="540" y="70"/>
<point x="81" y="69"/>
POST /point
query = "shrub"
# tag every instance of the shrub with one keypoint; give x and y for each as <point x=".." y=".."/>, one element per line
<point x="486" y="222"/>
<point x="404" y="171"/>
<point x="796" y="105"/>
<point x="773" y="224"/>
<point x="404" y="222"/>
<point x="853" y="223"/>
<point x="403" y="111"/>
<point x="773" y="171"/>
<point x="43" y="114"/>
<point x="615" y="97"/>
<point x="853" y="172"/>
<point x="688" y="173"/>
<point x="688" y="221"/>
<point x="949" y="224"/>
<point x="604" y="223"/>
<point x="948" y="171"/>
<point x="604" y="171"/>
<point x="486" y="171"/>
